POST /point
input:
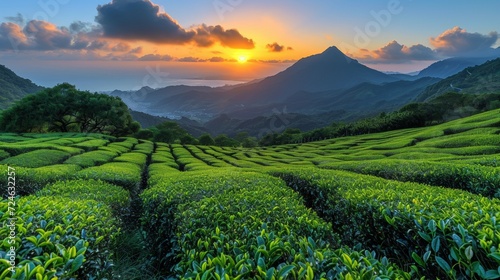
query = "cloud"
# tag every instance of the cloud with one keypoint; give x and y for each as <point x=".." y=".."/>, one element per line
<point x="458" y="41"/>
<point x="143" y="20"/>
<point x="39" y="35"/>
<point x="275" y="47"/>
<point x="19" y="19"/>
<point x="394" y="52"/>
<point x="156" y="57"/>
<point x="217" y="59"/>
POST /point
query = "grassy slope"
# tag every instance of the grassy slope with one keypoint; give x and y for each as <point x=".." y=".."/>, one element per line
<point x="472" y="141"/>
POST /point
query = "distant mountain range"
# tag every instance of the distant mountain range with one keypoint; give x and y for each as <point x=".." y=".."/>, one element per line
<point x="484" y="78"/>
<point x="312" y="93"/>
<point x="13" y="87"/>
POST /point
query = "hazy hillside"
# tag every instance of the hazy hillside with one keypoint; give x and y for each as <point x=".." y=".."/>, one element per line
<point x="451" y="66"/>
<point x="481" y="79"/>
<point x="13" y="87"/>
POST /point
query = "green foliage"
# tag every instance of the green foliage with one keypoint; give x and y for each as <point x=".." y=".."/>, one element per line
<point x="92" y="158"/>
<point x="125" y="174"/>
<point x="206" y="140"/>
<point x="168" y="132"/>
<point x="476" y="179"/>
<point x="13" y="87"/>
<point x="63" y="108"/>
<point x="224" y="141"/>
<point x="37" y="158"/>
<point x="446" y="233"/>
<point x="133" y="157"/>
<point x="245" y="225"/>
<point x="115" y="197"/>
<point x="58" y="237"/>
<point x="92" y="144"/>
<point x="145" y="147"/>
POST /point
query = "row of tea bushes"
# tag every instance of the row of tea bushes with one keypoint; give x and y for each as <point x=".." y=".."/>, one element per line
<point x="226" y="224"/>
<point x="445" y="233"/>
<point x="30" y="180"/>
<point x="66" y="231"/>
<point x="37" y="158"/>
<point x="481" y="180"/>
<point x="124" y="174"/>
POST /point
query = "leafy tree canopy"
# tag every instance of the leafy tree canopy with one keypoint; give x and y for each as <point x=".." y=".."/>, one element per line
<point x="63" y="108"/>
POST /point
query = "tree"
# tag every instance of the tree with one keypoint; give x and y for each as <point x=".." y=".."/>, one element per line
<point x="168" y="132"/>
<point x="206" y="140"/>
<point x="63" y="108"/>
<point x="224" y="141"/>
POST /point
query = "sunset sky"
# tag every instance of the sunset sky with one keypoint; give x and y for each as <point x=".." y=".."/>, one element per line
<point x="127" y="44"/>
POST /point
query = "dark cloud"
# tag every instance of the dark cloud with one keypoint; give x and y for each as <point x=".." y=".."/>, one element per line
<point x="394" y="52"/>
<point x="457" y="41"/>
<point x="121" y="47"/>
<point x="19" y="19"/>
<point x="190" y="59"/>
<point x="217" y="59"/>
<point x="275" y="47"/>
<point x="156" y="57"/>
<point x="143" y="20"/>
<point x="136" y="50"/>
<point x="79" y="26"/>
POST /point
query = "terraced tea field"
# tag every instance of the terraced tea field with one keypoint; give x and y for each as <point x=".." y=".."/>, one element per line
<point x="407" y="204"/>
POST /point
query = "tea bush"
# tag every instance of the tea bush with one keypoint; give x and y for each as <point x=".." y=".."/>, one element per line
<point x="37" y="158"/>
<point x="445" y="233"/>
<point x="240" y="225"/>
<point x="92" y="158"/>
<point x="476" y="179"/>
<point x="58" y="238"/>
<point x="125" y="174"/>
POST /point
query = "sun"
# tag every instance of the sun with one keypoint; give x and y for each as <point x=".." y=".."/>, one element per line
<point x="242" y="59"/>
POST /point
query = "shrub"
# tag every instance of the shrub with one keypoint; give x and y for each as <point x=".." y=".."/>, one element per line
<point x="445" y="233"/>
<point x="58" y="237"/>
<point x="127" y="175"/>
<point x="37" y="158"/>
<point x="244" y="226"/>
<point x="476" y="179"/>
<point x="92" y="158"/>
<point x="133" y="157"/>
<point x="30" y="180"/>
<point x="114" y="196"/>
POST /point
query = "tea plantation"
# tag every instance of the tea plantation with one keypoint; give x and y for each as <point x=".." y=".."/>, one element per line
<point x="407" y="204"/>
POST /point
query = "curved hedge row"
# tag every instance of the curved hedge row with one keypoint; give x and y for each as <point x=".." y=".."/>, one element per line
<point x="63" y="233"/>
<point x="244" y="225"/>
<point x="482" y="180"/>
<point x="442" y="232"/>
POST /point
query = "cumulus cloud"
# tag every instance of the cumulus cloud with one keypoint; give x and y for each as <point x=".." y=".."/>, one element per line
<point x="143" y="20"/>
<point x="19" y="19"/>
<point x="394" y="52"/>
<point x="45" y="36"/>
<point x="275" y="47"/>
<point x="458" y="41"/>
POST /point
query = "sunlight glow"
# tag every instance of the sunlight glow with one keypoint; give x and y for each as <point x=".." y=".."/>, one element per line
<point x="242" y="59"/>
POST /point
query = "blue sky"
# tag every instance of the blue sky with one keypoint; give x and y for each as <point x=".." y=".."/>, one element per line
<point x="389" y="35"/>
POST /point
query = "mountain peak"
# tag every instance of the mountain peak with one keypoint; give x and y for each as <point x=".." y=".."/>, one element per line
<point x="334" y="53"/>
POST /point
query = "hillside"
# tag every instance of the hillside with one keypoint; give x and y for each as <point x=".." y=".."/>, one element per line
<point x="415" y="186"/>
<point x="451" y="66"/>
<point x="13" y="87"/>
<point x="480" y="79"/>
<point x="322" y="77"/>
